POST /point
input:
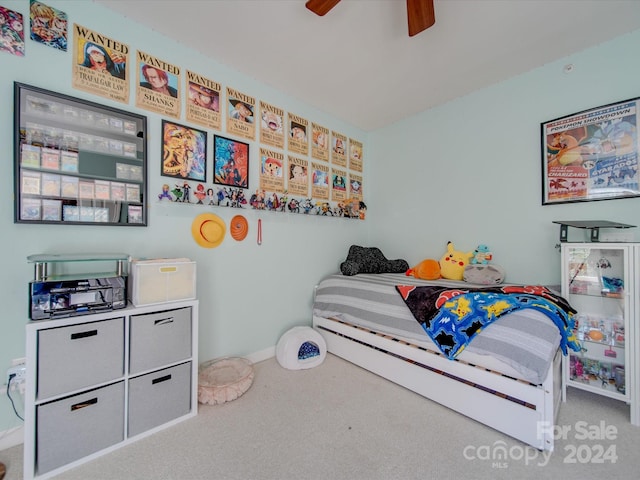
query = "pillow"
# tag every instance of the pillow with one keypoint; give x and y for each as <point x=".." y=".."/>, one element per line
<point x="489" y="274"/>
<point x="370" y="260"/>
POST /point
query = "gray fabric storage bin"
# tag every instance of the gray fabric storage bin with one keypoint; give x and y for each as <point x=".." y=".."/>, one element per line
<point x="159" y="339"/>
<point x="77" y="426"/>
<point x="71" y="358"/>
<point x="158" y="397"/>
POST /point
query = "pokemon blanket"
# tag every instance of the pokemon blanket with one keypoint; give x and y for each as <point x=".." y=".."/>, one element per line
<point x="452" y="316"/>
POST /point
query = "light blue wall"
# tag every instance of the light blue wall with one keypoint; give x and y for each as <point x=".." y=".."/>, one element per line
<point x="249" y="294"/>
<point x="469" y="171"/>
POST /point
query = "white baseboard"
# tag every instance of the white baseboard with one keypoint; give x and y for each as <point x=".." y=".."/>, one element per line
<point x="12" y="437"/>
<point x="262" y="355"/>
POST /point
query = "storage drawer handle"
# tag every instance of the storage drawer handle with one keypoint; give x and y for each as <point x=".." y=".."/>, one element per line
<point x="163" y="321"/>
<point x="84" y="404"/>
<point x="160" y="379"/>
<point x="88" y="333"/>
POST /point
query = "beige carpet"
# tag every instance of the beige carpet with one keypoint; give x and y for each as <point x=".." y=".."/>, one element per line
<point x="337" y="421"/>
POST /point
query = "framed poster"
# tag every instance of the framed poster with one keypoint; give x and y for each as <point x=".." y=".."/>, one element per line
<point x="68" y="156"/>
<point x="230" y="162"/>
<point x="591" y="155"/>
<point x="184" y="152"/>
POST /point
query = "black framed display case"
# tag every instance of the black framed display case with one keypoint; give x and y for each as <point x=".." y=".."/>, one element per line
<point x="77" y="162"/>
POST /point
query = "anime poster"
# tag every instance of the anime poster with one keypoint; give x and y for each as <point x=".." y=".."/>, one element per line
<point x="230" y="162"/>
<point x="100" y="65"/>
<point x="355" y="155"/>
<point x="338" y="185"/>
<point x="48" y="25"/>
<point x="592" y="155"/>
<point x="184" y="152"/>
<point x="240" y="119"/>
<point x="355" y="186"/>
<point x="11" y="32"/>
<point x="298" y="181"/>
<point x="298" y="139"/>
<point x="158" y="85"/>
<point x="271" y="125"/>
<point x="271" y="171"/>
<point x="203" y="102"/>
<point x="338" y="150"/>
<point x="319" y="142"/>
<point x="320" y="181"/>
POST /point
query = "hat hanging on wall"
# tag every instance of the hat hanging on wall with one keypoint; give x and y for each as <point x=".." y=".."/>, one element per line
<point x="208" y="230"/>
<point x="238" y="227"/>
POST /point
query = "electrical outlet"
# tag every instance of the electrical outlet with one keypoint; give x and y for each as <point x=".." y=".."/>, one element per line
<point x="19" y="379"/>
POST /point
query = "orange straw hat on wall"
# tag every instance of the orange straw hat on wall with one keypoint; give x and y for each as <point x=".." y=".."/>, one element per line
<point x="208" y="230"/>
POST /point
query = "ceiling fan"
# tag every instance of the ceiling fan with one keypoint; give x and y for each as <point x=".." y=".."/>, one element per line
<point x="420" y="14"/>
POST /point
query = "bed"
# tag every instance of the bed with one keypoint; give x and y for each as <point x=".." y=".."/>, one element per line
<point x="508" y="377"/>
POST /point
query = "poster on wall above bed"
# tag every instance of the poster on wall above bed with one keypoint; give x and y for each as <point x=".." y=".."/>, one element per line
<point x="100" y="65"/>
<point x="591" y="155"/>
<point x="271" y="125"/>
<point x="241" y="118"/>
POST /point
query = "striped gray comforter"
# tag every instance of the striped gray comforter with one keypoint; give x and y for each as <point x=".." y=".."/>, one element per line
<point x="526" y="340"/>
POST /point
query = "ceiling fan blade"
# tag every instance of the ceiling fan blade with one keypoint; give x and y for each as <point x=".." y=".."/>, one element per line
<point x="420" y="15"/>
<point x="321" y="7"/>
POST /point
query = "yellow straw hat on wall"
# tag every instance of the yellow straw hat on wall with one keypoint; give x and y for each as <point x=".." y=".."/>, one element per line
<point x="208" y="230"/>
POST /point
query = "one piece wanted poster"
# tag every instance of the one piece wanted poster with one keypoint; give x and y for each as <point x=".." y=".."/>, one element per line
<point x="158" y="85"/>
<point x="320" y="142"/>
<point x="338" y="150"/>
<point x="592" y="155"/>
<point x="355" y="186"/>
<point x="298" y="181"/>
<point x="100" y="65"/>
<point x="241" y="120"/>
<point x="271" y="171"/>
<point x="271" y="125"/>
<point x="203" y="102"/>
<point x="338" y="185"/>
<point x="320" y="181"/>
<point x="355" y="155"/>
<point x="298" y="139"/>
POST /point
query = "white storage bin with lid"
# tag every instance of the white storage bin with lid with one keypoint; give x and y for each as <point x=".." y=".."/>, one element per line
<point x="161" y="280"/>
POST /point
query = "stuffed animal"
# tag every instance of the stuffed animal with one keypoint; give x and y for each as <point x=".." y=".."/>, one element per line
<point x="451" y="266"/>
<point x="370" y="260"/>
<point x="481" y="255"/>
<point x="453" y="263"/>
<point x="428" y="269"/>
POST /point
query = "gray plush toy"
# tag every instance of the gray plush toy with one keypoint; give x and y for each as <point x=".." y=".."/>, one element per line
<point x="370" y="260"/>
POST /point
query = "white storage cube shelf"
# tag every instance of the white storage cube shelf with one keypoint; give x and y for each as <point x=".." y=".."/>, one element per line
<point x="155" y="281"/>
<point x="98" y="382"/>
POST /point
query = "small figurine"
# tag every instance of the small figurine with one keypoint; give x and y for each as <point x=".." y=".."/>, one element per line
<point x="481" y="255"/>
<point x="165" y="193"/>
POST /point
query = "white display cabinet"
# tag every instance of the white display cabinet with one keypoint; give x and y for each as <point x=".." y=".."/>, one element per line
<point x="98" y="382"/>
<point x="600" y="281"/>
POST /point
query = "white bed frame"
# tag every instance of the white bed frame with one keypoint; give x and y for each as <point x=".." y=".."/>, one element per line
<point x="519" y="409"/>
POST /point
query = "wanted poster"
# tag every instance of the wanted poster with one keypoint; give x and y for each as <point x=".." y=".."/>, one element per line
<point x="100" y="65"/>
<point x="355" y="155"/>
<point x="319" y="142"/>
<point x="158" y="85"/>
<point x="338" y="150"/>
<point x="241" y="119"/>
<point x="203" y="102"/>
<point x="320" y="181"/>
<point x="298" y="141"/>
<point x="271" y="171"/>
<point x="355" y="186"/>
<point x="298" y="181"/>
<point x="271" y="125"/>
<point x="338" y="185"/>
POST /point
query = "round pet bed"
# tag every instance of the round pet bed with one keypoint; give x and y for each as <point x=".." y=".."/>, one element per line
<point x="223" y="380"/>
<point x="300" y="348"/>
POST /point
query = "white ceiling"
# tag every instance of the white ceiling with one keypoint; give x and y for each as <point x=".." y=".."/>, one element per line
<point x="358" y="63"/>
